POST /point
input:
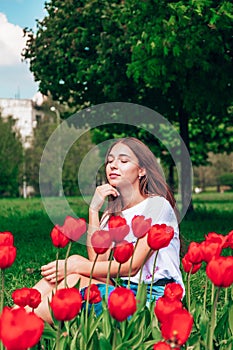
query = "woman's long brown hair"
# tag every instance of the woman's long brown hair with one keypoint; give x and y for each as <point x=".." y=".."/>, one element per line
<point x="151" y="184"/>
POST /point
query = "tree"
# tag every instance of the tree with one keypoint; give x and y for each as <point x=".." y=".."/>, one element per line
<point x="11" y="157"/>
<point x="184" y="50"/>
<point x="174" y="57"/>
<point x="213" y="174"/>
<point x="73" y="157"/>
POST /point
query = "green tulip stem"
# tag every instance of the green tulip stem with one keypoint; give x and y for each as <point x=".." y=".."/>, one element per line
<point x="213" y="318"/>
<point x="58" y="336"/>
<point x="118" y="272"/>
<point x="114" y="341"/>
<point x="88" y="291"/>
<point x="2" y="290"/>
<point x="2" y="300"/>
<point x="66" y="258"/>
<point x="205" y="293"/>
<point x="144" y="261"/>
<point x="108" y="274"/>
<point x="57" y="255"/>
<point x="226" y="296"/>
<point x="189" y="289"/>
<point x="153" y="274"/>
<point x="212" y="294"/>
<point x="131" y="263"/>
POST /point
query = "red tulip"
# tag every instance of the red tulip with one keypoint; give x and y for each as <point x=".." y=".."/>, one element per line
<point x="27" y="296"/>
<point x="177" y="327"/>
<point x="229" y="240"/>
<point x="215" y="238"/>
<point x="194" y="253"/>
<point x="161" y="345"/>
<point x="34" y="299"/>
<point x="7" y="256"/>
<point x="189" y="266"/>
<point x="73" y="228"/>
<point x="20" y="330"/>
<point x="6" y="238"/>
<point x="164" y="307"/>
<point x="121" y="303"/>
<point x="140" y="225"/>
<point x="159" y="236"/>
<point x="101" y="241"/>
<point x="59" y="240"/>
<point x="210" y="250"/>
<point x="123" y="251"/>
<point x="20" y="296"/>
<point x="94" y="294"/>
<point x="118" y="228"/>
<point x="220" y="271"/>
<point x="66" y="303"/>
<point x="173" y="291"/>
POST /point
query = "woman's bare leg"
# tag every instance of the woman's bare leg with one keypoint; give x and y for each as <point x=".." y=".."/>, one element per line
<point x="47" y="288"/>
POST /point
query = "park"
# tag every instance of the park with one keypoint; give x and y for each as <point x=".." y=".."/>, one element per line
<point x="160" y="72"/>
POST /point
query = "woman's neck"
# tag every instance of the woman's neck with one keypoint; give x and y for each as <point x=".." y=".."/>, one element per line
<point x="130" y="199"/>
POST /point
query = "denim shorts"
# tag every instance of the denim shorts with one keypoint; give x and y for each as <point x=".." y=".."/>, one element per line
<point x="157" y="291"/>
<point x="98" y="306"/>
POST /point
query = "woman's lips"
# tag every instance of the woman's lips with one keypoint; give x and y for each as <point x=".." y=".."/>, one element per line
<point x="113" y="176"/>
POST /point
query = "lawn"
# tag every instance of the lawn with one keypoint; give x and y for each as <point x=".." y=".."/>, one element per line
<point x="31" y="226"/>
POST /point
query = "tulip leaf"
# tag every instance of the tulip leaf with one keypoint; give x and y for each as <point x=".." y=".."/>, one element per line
<point x="156" y="334"/>
<point x="49" y="332"/>
<point x="104" y="343"/>
<point x="93" y="325"/>
<point x="203" y="324"/>
<point x="106" y="322"/>
<point x="148" y="345"/>
<point x="83" y="329"/>
<point x="117" y="337"/>
<point x="73" y="345"/>
<point x="231" y="319"/>
<point x="194" y="341"/>
<point x="221" y="328"/>
<point x="135" y="341"/>
<point x="141" y="296"/>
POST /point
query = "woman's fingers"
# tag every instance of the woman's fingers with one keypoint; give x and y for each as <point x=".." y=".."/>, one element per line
<point x="101" y="193"/>
<point x="50" y="268"/>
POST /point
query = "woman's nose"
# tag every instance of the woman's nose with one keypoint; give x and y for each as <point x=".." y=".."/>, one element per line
<point x="114" y="164"/>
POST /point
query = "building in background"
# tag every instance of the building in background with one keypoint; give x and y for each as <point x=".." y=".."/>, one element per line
<point x="25" y="112"/>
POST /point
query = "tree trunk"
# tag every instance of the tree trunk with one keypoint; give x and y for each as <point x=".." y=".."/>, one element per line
<point x="171" y="180"/>
<point x="186" y="170"/>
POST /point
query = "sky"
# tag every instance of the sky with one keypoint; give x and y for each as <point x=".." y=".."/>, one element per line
<point x="16" y="80"/>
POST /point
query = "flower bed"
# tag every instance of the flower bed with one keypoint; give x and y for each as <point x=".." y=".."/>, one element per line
<point x="126" y="322"/>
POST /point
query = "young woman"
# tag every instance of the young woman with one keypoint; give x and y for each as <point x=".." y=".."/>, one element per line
<point x="134" y="186"/>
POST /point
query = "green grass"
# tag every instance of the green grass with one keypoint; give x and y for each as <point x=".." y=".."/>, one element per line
<point x="31" y="227"/>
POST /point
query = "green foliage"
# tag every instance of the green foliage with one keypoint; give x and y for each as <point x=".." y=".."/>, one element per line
<point x="34" y="153"/>
<point x="11" y="158"/>
<point x="226" y="179"/>
<point x="174" y="57"/>
<point x="30" y="225"/>
<point x="73" y="159"/>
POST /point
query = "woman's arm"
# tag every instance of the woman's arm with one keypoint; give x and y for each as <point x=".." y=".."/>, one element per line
<point x="101" y="267"/>
<point x="83" y="266"/>
<point x="101" y="193"/>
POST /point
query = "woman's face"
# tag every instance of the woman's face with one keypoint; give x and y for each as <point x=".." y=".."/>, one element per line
<point x="122" y="166"/>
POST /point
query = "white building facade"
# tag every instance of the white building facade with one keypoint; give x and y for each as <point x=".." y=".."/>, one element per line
<point x="25" y="113"/>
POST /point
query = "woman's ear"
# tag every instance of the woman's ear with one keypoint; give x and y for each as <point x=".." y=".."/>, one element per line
<point x="141" y="172"/>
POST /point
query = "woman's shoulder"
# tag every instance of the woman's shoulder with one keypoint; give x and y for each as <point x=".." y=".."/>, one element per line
<point x="160" y="208"/>
<point x="156" y="199"/>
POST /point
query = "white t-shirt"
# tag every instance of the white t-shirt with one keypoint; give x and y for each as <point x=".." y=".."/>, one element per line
<point x="168" y="260"/>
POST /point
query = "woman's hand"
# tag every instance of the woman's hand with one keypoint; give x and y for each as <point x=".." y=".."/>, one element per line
<point x="100" y="194"/>
<point x="49" y="271"/>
